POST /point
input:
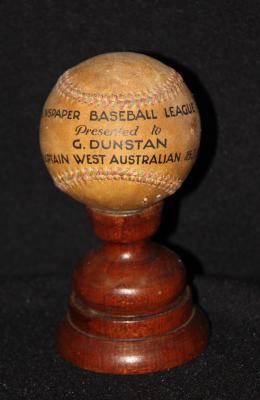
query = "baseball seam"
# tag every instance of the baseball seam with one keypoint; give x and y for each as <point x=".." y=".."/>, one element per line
<point x="67" y="179"/>
<point x="169" y="89"/>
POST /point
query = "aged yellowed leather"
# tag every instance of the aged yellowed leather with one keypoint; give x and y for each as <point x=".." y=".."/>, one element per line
<point x="120" y="131"/>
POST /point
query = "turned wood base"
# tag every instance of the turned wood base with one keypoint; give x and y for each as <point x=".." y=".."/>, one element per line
<point x="130" y="311"/>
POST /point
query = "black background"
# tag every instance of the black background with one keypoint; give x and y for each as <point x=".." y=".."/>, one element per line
<point x="213" y="221"/>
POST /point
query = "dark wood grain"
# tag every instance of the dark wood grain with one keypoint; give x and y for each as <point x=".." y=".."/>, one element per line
<point x="130" y="310"/>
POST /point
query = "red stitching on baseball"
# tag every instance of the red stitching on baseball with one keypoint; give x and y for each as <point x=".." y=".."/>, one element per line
<point x="169" y="88"/>
<point x="67" y="179"/>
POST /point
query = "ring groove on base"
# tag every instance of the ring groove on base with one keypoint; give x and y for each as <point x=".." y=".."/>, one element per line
<point x="126" y="356"/>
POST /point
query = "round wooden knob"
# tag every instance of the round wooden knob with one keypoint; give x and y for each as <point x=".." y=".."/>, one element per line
<point x="119" y="132"/>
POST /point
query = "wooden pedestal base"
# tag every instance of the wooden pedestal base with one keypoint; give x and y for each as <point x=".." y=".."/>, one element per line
<point x="130" y="310"/>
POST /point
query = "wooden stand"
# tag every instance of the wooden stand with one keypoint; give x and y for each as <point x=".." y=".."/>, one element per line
<point x="130" y="310"/>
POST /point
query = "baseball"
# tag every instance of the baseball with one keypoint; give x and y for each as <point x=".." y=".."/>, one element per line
<point x="119" y="132"/>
